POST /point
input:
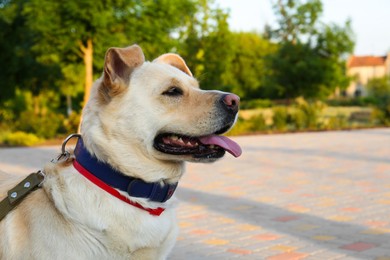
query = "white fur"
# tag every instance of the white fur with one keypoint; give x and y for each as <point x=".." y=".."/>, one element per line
<point x="71" y="218"/>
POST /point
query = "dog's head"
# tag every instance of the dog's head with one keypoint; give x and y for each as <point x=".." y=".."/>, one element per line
<point x="157" y="110"/>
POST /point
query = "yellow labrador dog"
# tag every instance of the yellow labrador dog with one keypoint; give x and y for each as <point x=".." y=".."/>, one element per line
<point x="112" y="197"/>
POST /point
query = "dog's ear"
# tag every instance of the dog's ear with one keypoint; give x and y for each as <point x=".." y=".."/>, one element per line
<point x="119" y="63"/>
<point x="174" y="60"/>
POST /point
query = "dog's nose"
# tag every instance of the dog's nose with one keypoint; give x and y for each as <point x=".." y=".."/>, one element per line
<point x="231" y="102"/>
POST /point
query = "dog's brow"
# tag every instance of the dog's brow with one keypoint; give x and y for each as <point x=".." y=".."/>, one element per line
<point x="175" y="82"/>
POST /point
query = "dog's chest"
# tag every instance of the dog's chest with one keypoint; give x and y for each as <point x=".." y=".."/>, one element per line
<point x="103" y="221"/>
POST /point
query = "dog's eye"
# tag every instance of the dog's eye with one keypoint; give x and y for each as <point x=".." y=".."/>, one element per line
<point x="173" y="91"/>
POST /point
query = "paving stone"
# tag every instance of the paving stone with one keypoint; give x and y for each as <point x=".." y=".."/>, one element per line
<point x="288" y="256"/>
<point x="358" y="246"/>
<point x="293" y="196"/>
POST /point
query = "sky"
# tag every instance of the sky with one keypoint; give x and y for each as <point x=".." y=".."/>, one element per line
<point x="370" y="19"/>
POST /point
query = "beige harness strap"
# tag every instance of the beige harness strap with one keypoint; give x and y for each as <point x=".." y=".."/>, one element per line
<point x="20" y="191"/>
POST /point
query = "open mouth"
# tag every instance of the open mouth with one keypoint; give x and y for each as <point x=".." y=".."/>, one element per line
<point x="211" y="146"/>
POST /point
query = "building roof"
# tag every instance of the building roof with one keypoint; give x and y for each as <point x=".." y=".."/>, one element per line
<point x="366" y="61"/>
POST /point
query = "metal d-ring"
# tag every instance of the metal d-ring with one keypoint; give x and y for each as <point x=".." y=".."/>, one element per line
<point x="67" y="140"/>
<point x="64" y="156"/>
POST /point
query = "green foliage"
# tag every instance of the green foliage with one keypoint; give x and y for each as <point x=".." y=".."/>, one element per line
<point x="47" y="40"/>
<point x="296" y="20"/>
<point x="12" y="108"/>
<point x="46" y="125"/>
<point x="381" y="116"/>
<point x="248" y="72"/>
<point x="44" y="72"/>
<point x="71" y="124"/>
<point x="258" y="123"/>
<point x="298" y="119"/>
<point x="310" y="61"/>
<point x="302" y="115"/>
<point x="207" y="31"/>
<point x="307" y="114"/>
<point x="46" y="47"/>
<point x="379" y="89"/>
<point x="337" y="122"/>
<point x="66" y="26"/>
<point x="21" y="66"/>
<point x="279" y="118"/>
<point x="255" y="124"/>
<point x="256" y="103"/>
<point x="20" y="138"/>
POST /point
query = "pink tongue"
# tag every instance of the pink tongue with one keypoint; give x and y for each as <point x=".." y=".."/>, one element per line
<point x="224" y="142"/>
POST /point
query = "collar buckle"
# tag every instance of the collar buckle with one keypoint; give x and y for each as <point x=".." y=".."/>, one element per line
<point x="158" y="192"/>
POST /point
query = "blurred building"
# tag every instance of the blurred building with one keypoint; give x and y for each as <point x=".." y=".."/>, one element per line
<point x="362" y="69"/>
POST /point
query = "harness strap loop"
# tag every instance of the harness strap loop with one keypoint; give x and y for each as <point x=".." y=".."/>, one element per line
<point x="20" y="191"/>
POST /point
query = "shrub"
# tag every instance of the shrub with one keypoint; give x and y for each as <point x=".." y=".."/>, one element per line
<point x="257" y="123"/>
<point x="279" y="118"/>
<point x="381" y="116"/>
<point x="71" y="124"/>
<point x="20" y="138"/>
<point x="298" y="119"/>
<point x="45" y="126"/>
<point x="254" y="124"/>
<point x="307" y="114"/>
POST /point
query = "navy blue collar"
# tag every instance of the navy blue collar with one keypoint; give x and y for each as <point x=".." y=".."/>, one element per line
<point x="154" y="191"/>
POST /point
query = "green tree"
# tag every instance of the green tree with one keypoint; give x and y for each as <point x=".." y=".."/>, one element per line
<point x="248" y="71"/>
<point x="54" y="49"/>
<point x="72" y="30"/>
<point x="207" y="47"/>
<point x="21" y="67"/>
<point x="310" y="61"/>
<point x="297" y="21"/>
<point x="379" y="87"/>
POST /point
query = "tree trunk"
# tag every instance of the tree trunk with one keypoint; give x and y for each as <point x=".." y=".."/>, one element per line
<point x="68" y="104"/>
<point x="87" y="52"/>
<point x="88" y="62"/>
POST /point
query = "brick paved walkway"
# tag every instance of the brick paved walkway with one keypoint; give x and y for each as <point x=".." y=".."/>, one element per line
<point x="293" y="196"/>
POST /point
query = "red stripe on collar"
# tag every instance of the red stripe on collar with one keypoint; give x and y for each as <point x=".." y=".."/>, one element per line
<point x="112" y="191"/>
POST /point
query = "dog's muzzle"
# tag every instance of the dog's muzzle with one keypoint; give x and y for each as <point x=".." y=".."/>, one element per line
<point x="210" y="145"/>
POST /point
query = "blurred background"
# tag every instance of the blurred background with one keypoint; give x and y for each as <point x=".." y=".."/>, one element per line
<point x="293" y="63"/>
